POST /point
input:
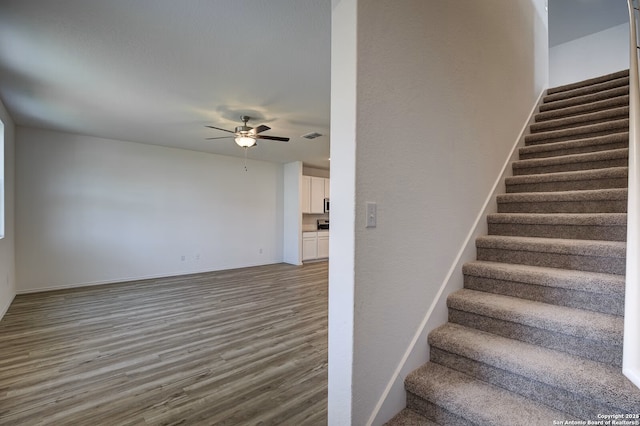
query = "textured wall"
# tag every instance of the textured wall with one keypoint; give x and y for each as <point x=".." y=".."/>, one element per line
<point x="443" y="90"/>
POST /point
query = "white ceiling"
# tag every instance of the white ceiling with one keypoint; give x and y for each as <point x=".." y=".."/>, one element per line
<point x="158" y="71"/>
<point x="572" y="19"/>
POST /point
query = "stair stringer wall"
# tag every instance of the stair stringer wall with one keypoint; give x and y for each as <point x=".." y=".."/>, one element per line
<point x="393" y="398"/>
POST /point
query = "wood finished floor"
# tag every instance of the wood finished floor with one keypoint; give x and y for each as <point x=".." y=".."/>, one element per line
<point x="239" y="347"/>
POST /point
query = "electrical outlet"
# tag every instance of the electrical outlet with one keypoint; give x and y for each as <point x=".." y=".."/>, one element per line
<point x="260" y="251"/>
<point x="183" y="258"/>
<point x="197" y="256"/>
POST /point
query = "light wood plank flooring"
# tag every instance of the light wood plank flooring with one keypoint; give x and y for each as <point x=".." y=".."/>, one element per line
<point x="239" y="347"/>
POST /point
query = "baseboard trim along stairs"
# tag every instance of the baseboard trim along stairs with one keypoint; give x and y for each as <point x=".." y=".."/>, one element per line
<point x="535" y="336"/>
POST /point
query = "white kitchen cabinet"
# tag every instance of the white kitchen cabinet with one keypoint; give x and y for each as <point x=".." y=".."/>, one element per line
<point x="309" y="245"/>
<point x="315" y="245"/>
<point x="314" y="191"/>
<point x="317" y="195"/>
<point x="323" y="244"/>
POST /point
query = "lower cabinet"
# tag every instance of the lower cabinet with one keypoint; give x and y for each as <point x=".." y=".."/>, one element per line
<point x="315" y="245"/>
<point x="309" y="245"/>
<point x="323" y="244"/>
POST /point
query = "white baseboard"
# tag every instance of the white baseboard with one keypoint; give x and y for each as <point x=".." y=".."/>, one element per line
<point x="393" y="397"/>
<point x="137" y="278"/>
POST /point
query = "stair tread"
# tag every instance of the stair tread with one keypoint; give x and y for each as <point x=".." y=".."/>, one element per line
<point x="559" y="123"/>
<point x="554" y="245"/>
<point x="408" y="417"/>
<point x="475" y="400"/>
<point x="582" y="195"/>
<point x="608" y="126"/>
<point x="595" y="282"/>
<point x="590" y="81"/>
<point x="597" y="381"/>
<point x="577" y="219"/>
<point x="560" y="319"/>
<point x="608" y="172"/>
<point x="604" y="104"/>
<point x="585" y="99"/>
<point x="621" y="137"/>
<point x="573" y="158"/>
<point x="587" y="89"/>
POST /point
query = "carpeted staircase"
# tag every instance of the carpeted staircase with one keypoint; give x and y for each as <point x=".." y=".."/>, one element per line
<point x="536" y="333"/>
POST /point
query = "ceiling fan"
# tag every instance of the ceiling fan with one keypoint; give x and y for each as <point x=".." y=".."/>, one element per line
<point x="246" y="136"/>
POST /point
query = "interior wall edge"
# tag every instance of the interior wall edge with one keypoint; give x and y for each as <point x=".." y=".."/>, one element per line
<point x="5" y="308"/>
<point x="8" y="275"/>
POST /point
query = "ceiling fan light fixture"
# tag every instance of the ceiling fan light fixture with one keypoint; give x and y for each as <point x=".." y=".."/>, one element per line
<point x="245" y="136"/>
<point x="245" y="141"/>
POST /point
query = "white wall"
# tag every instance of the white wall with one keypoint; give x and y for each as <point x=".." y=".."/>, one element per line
<point x="92" y="210"/>
<point x="7" y="244"/>
<point x="597" y="54"/>
<point x="443" y="90"/>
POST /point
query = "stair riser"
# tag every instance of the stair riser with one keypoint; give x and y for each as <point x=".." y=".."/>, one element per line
<point x="587" y="90"/>
<point x="579" y="149"/>
<point x="620" y="101"/>
<point x="582" y="100"/>
<point x="605" y="265"/>
<point x="560" y="399"/>
<point x="569" y="185"/>
<point x="603" y="206"/>
<point x="570" y="167"/>
<point x="605" y="303"/>
<point x="608" y="353"/>
<point x="434" y="412"/>
<point x="578" y="121"/>
<point x="582" y="232"/>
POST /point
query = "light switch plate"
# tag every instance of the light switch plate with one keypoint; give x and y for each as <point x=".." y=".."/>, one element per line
<point x="372" y="215"/>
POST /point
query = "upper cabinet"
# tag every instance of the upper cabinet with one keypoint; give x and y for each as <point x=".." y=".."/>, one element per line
<point x="314" y="191"/>
<point x="317" y="195"/>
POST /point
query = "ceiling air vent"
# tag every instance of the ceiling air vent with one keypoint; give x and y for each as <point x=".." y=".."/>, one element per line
<point x="312" y="135"/>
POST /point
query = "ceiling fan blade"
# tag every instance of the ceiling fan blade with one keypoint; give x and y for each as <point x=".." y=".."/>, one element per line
<point x="261" y="128"/>
<point x="218" y="128"/>
<point x="221" y="137"/>
<point x="272" y="138"/>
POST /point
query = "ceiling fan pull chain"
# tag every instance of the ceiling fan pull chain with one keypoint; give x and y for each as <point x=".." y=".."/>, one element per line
<point x="245" y="158"/>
